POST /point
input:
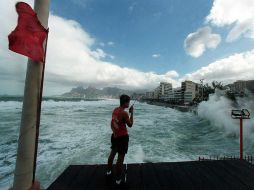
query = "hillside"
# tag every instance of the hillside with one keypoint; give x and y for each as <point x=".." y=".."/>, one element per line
<point x="92" y="92"/>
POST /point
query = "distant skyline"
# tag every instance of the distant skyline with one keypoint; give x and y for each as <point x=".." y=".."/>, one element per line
<point x="136" y="44"/>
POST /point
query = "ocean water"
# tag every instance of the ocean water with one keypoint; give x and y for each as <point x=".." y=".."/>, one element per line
<point x="78" y="132"/>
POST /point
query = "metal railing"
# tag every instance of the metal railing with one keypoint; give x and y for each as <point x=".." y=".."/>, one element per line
<point x="248" y="158"/>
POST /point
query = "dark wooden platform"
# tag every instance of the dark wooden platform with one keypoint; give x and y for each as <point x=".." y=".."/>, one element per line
<point x="222" y="174"/>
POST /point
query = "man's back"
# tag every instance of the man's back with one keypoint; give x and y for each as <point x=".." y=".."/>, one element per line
<point x="118" y="122"/>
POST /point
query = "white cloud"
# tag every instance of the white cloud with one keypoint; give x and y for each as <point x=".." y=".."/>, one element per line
<point x="196" y="43"/>
<point x="80" y="3"/>
<point x="229" y="69"/>
<point x="156" y="55"/>
<point x="71" y="60"/>
<point x="172" y="74"/>
<point x="238" y="14"/>
<point x="132" y="7"/>
<point x="111" y="43"/>
<point x="12" y="65"/>
<point x="111" y="56"/>
<point x="101" y="44"/>
<point x="98" y="54"/>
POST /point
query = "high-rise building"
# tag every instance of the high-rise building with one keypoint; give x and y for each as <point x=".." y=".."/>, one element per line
<point x="165" y="90"/>
<point x="239" y="86"/>
<point x="156" y="93"/>
<point x="190" y="90"/>
<point x="250" y="85"/>
<point x="149" y="95"/>
<point x="242" y="86"/>
<point x="177" y="94"/>
<point x="186" y="93"/>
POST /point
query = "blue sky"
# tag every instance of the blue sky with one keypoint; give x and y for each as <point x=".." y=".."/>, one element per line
<point x="136" y="44"/>
<point x="140" y="29"/>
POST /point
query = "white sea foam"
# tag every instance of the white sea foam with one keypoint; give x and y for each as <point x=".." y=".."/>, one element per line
<point x="138" y="155"/>
<point x="218" y="111"/>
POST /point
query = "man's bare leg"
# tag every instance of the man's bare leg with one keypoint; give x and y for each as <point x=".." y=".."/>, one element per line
<point x="119" y="166"/>
<point x="111" y="160"/>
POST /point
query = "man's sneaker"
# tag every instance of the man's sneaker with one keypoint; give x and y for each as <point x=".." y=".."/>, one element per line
<point x="109" y="177"/>
<point x="118" y="182"/>
<point x="121" y="184"/>
<point x="109" y="173"/>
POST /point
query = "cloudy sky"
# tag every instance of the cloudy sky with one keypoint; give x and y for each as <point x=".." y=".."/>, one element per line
<point x="135" y="44"/>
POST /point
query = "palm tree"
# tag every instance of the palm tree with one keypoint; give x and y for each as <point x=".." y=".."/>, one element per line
<point x="217" y="85"/>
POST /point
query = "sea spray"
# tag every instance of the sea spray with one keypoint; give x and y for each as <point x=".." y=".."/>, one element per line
<point x="218" y="111"/>
<point x="247" y="103"/>
<point x="139" y="155"/>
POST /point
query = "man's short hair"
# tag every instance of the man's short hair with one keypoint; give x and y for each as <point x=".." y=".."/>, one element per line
<point x="124" y="99"/>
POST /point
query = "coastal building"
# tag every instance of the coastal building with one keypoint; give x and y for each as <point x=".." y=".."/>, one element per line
<point x="239" y="86"/>
<point x="170" y="95"/>
<point x="185" y="94"/>
<point x="177" y="95"/>
<point x="242" y="86"/>
<point x="165" y="90"/>
<point x="250" y="86"/>
<point x="190" y="91"/>
<point x="156" y="93"/>
<point x="149" y="95"/>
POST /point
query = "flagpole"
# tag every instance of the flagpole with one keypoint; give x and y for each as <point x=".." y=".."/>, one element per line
<point x="23" y="175"/>
<point x="39" y="109"/>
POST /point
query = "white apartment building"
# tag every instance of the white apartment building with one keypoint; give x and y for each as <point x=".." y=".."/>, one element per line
<point x="165" y="90"/>
<point x="149" y="95"/>
<point x="156" y="93"/>
<point x="186" y="93"/>
<point x="177" y="94"/>
<point x="250" y="85"/>
<point x="189" y="89"/>
<point x="241" y="86"/>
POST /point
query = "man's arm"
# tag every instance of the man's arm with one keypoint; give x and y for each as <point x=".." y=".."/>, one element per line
<point x="114" y="127"/>
<point x="128" y="120"/>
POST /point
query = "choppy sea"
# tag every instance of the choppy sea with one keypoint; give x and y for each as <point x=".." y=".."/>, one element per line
<point x="78" y="132"/>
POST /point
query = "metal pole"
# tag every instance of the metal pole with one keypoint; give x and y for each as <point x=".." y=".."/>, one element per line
<point x="26" y="144"/>
<point x="202" y="93"/>
<point x="39" y="111"/>
<point x="241" y="138"/>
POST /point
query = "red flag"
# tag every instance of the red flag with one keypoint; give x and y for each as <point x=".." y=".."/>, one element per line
<point x="29" y="35"/>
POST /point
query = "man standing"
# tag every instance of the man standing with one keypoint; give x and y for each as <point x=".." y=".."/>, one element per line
<point x="120" y="137"/>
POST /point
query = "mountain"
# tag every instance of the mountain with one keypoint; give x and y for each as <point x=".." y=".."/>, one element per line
<point x="92" y="92"/>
